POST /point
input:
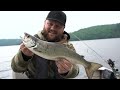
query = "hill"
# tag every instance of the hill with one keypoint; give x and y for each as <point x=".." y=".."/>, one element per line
<point x="97" y="32"/>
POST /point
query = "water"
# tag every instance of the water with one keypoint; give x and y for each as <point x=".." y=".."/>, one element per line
<point x="105" y="49"/>
<point x="98" y="51"/>
<point x="6" y="54"/>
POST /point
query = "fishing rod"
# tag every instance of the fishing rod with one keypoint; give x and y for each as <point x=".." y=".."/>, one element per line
<point x="110" y="62"/>
<point x="114" y="69"/>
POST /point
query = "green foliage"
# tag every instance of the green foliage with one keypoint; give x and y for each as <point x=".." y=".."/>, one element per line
<point x="90" y="33"/>
<point x="97" y="32"/>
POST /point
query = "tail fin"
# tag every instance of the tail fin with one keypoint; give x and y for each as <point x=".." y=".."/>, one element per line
<point x="91" y="69"/>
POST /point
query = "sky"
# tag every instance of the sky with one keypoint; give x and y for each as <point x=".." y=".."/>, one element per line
<point x="13" y="24"/>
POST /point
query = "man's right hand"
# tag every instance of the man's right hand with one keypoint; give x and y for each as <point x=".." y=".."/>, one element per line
<point x="25" y="50"/>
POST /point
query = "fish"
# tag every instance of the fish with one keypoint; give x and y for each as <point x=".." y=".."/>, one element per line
<point x="56" y="51"/>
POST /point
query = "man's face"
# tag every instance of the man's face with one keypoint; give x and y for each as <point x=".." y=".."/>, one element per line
<point x="53" y="30"/>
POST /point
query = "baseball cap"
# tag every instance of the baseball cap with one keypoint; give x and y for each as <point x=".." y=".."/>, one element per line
<point x="58" y="16"/>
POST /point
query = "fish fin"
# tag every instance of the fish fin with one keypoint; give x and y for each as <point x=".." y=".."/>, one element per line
<point x="91" y="69"/>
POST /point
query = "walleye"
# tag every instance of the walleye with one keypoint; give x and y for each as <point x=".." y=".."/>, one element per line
<point x="55" y="51"/>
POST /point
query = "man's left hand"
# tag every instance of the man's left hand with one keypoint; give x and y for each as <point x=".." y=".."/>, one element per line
<point x="64" y="66"/>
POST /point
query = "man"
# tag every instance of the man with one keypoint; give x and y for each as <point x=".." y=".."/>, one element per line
<point x="36" y="67"/>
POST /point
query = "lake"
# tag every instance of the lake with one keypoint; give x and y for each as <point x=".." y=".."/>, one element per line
<point x="98" y="51"/>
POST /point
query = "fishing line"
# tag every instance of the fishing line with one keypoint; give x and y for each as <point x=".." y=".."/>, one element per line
<point x="90" y="48"/>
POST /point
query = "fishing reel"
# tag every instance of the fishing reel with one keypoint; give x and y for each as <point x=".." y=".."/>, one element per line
<point x="116" y="72"/>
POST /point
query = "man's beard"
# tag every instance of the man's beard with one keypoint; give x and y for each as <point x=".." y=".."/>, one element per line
<point x="57" y="37"/>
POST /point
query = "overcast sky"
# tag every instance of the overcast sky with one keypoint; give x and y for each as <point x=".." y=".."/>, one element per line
<point x="14" y="23"/>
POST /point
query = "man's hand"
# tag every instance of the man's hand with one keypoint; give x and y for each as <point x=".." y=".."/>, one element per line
<point x="25" y="50"/>
<point x="64" y="66"/>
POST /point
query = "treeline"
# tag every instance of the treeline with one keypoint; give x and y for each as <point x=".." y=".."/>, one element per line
<point x="97" y="32"/>
<point x="8" y="42"/>
<point x="90" y="33"/>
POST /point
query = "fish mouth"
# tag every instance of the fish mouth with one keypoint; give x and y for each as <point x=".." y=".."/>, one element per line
<point x="28" y="40"/>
